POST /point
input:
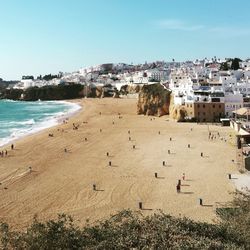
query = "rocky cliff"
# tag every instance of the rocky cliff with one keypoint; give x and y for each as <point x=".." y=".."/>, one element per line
<point x="177" y="112"/>
<point x="153" y="99"/>
<point x="130" y="89"/>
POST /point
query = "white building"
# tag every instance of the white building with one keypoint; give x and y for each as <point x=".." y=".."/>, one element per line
<point x="157" y="75"/>
<point x="245" y="65"/>
<point x="232" y="103"/>
<point x="182" y="87"/>
<point x="227" y="81"/>
<point x="27" y="83"/>
<point x="242" y="88"/>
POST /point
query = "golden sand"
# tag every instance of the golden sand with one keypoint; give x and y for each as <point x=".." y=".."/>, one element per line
<point x="62" y="182"/>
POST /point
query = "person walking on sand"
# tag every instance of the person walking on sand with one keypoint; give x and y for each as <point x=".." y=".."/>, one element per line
<point x="178" y="188"/>
<point x="183" y="176"/>
<point x="6" y="152"/>
<point x="12" y="146"/>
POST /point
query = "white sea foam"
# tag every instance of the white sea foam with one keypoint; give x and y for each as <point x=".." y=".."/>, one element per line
<point x="27" y="122"/>
<point x="49" y="121"/>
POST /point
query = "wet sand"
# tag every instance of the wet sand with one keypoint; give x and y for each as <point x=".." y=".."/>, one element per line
<point x="62" y="182"/>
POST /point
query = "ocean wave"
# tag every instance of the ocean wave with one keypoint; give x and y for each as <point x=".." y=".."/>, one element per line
<point x="8" y="100"/>
<point x="27" y="122"/>
<point x="19" y="129"/>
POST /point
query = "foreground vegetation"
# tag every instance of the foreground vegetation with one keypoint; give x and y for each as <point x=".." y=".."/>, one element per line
<point x="131" y="230"/>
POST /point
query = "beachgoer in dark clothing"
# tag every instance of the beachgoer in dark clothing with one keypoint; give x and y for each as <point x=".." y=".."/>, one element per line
<point x="178" y="188"/>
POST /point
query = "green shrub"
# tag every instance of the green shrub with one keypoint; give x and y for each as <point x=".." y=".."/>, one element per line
<point x="125" y="230"/>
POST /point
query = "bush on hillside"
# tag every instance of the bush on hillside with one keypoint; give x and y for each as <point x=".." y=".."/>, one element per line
<point x="125" y="230"/>
<point x="236" y="216"/>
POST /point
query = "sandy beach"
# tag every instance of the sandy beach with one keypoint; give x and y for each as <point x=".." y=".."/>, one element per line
<point x="62" y="182"/>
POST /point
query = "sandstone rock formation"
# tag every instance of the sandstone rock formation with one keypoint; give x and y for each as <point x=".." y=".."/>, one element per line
<point x="177" y="112"/>
<point x="130" y="89"/>
<point x="99" y="92"/>
<point x="153" y="99"/>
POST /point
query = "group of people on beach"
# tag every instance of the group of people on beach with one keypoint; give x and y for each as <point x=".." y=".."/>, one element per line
<point x="75" y="127"/>
<point x="213" y="136"/>
<point x="216" y="135"/>
<point x="5" y="152"/>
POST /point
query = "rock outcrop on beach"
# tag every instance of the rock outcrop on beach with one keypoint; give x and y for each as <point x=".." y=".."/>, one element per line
<point x="99" y="92"/>
<point x="154" y="100"/>
<point x="177" y="112"/>
<point x="130" y="89"/>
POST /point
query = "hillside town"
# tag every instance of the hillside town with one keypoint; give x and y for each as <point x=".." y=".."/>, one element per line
<point x="209" y="89"/>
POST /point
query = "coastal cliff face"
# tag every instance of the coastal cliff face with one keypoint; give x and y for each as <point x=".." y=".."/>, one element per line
<point x="157" y="101"/>
<point x="60" y="92"/>
<point x="154" y="100"/>
<point x="177" y="112"/>
<point x="130" y="89"/>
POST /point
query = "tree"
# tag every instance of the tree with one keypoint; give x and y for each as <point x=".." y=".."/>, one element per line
<point x="235" y="63"/>
<point x="27" y="77"/>
<point x="224" y="66"/>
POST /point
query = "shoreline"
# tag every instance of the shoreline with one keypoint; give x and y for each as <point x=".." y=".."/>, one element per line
<point x="61" y="182"/>
<point x="55" y="120"/>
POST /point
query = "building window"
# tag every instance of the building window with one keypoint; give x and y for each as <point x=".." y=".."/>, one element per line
<point x="203" y="105"/>
<point x="190" y="105"/>
<point x="213" y="106"/>
<point x="198" y="105"/>
<point x="198" y="113"/>
<point x="219" y="106"/>
<point x="204" y="113"/>
<point x="187" y="105"/>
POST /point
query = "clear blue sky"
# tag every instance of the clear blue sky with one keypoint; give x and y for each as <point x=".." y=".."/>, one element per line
<point x="49" y="36"/>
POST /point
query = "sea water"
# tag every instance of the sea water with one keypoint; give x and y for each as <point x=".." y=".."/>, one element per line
<point x="18" y="118"/>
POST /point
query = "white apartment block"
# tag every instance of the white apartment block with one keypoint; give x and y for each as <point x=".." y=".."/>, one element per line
<point x="232" y="103"/>
<point x="242" y="88"/>
<point x="227" y="81"/>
